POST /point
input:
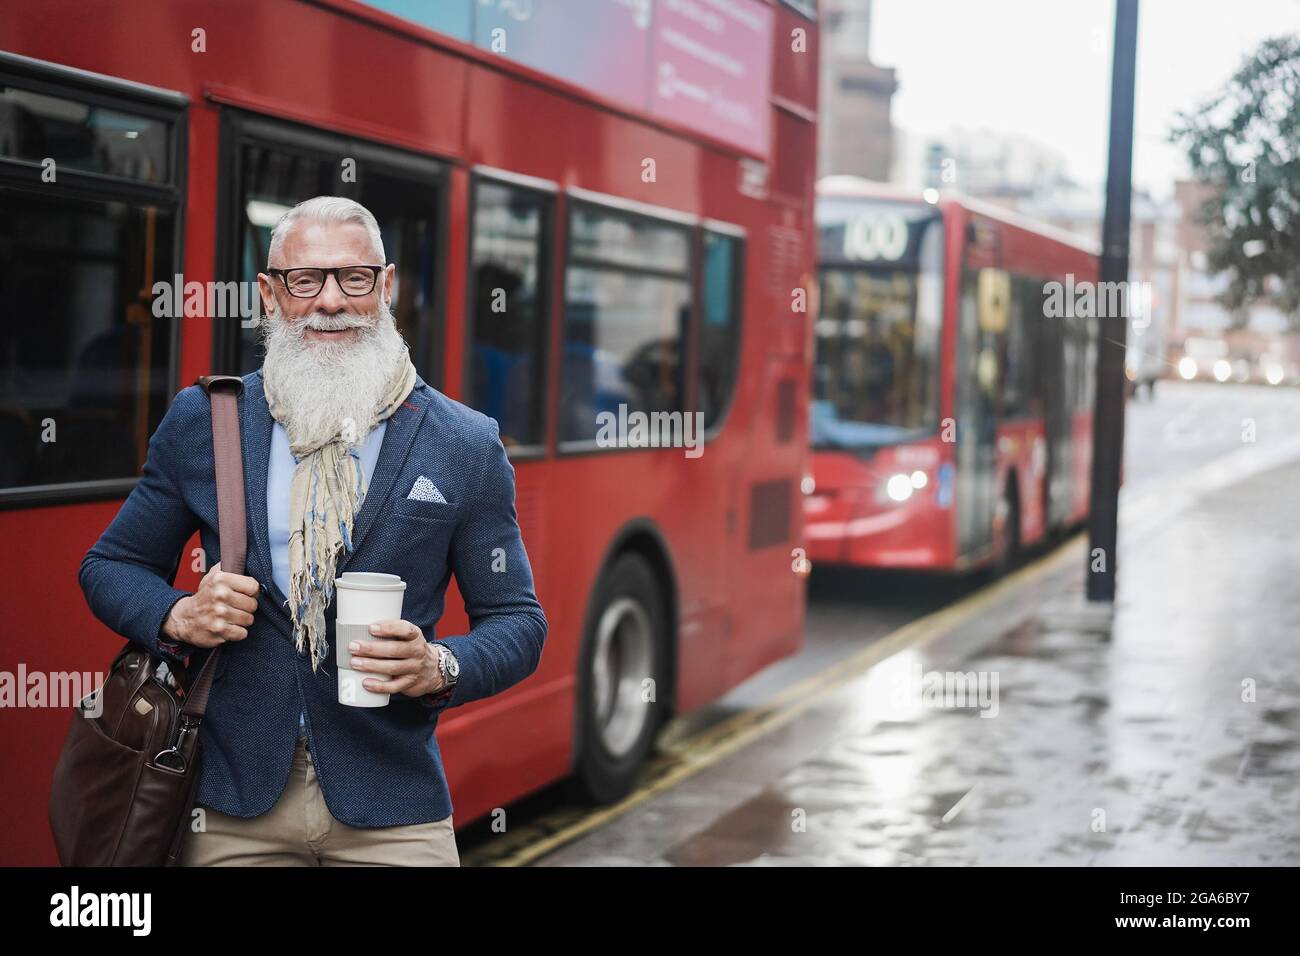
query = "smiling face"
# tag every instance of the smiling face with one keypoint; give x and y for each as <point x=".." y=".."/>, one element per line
<point x="330" y="357"/>
<point x="331" y="315"/>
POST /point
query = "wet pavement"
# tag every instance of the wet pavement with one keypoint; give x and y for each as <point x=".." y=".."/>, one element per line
<point x="1007" y="731"/>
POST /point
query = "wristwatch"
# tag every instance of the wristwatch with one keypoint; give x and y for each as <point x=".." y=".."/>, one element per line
<point x="448" y="666"/>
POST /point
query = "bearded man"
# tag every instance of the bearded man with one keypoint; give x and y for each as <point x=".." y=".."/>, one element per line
<point x="350" y="461"/>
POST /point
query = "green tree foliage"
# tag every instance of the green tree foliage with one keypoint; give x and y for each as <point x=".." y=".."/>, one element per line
<point x="1245" y="144"/>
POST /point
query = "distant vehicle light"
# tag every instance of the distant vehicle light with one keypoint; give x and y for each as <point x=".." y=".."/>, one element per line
<point x="930" y="195"/>
<point x="1222" y="370"/>
<point x="899" y="487"/>
<point x="1187" y="367"/>
<point x="919" y="479"/>
<point x="1274" y="374"/>
<point x="808" y="485"/>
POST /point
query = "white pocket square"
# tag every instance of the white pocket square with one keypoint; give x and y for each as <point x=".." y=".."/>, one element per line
<point x="426" y="490"/>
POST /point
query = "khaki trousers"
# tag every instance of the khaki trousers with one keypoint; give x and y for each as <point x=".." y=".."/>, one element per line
<point x="299" y="831"/>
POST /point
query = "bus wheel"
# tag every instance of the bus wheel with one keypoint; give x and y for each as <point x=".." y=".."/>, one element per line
<point x="1009" y="535"/>
<point x="622" y="660"/>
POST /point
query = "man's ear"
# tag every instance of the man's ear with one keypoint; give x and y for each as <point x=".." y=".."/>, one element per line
<point x="390" y="271"/>
<point x="266" y="289"/>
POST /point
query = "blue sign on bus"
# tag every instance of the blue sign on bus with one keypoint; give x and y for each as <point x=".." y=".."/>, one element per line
<point x="452" y="17"/>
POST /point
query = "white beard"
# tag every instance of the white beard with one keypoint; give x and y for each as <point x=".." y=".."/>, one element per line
<point x="328" y="389"/>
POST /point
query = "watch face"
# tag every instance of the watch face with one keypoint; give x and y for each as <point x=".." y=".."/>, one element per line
<point x="453" y="666"/>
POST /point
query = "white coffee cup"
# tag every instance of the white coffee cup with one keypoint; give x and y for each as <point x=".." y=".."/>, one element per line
<point x="362" y="598"/>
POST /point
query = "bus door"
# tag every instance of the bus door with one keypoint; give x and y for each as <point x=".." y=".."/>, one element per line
<point x="1055" y="358"/>
<point x="983" y="313"/>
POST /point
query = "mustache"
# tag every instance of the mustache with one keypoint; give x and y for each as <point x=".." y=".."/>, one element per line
<point x="321" y="322"/>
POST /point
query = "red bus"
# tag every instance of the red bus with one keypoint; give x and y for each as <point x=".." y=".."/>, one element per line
<point x="647" y="240"/>
<point x="952" y="385"/>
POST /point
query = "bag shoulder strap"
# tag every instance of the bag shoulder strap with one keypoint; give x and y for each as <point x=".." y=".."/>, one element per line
<point x="224" y="391"/>
<point x="227" y="452"/>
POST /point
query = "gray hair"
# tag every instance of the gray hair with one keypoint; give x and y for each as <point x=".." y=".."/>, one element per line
<point x="332" y="209"/>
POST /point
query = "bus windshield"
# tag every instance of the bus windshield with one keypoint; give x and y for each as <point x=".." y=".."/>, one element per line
<point x="876" y="379"/>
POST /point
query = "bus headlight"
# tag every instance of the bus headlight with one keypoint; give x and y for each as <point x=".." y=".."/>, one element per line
<point x="899" y="487"/>
<point x="919" y="479"/>
<point x="1222" y="369"/>
<point x="1187" y="368"/>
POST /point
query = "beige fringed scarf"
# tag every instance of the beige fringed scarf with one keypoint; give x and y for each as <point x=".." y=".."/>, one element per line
<point x="325" y="494"/>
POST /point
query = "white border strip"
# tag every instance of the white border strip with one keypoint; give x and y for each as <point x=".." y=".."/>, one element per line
<point x="727" y="228"/>
<point x="517" y="179"/>
<point x="633" y="206"/>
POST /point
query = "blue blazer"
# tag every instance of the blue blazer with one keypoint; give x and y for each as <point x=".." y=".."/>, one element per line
<point x="380" y="766"/>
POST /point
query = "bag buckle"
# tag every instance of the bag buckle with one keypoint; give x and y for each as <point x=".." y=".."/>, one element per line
<point x="173" y="758"/>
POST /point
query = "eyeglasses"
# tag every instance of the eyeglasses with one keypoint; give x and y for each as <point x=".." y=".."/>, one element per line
<point x="306" y="283"/>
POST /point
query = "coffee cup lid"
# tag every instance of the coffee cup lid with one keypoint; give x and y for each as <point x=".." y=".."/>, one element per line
<point x="370" y="581"/>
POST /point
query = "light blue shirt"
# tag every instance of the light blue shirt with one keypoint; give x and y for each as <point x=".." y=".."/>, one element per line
<point x="279" y="477"/>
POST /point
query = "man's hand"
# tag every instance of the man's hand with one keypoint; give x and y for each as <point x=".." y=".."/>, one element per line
<point x="409" y="663"/>
<point x="221" y="610"/>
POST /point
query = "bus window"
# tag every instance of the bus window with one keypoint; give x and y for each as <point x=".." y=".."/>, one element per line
<point x="508" y="310"/>
<point x="627" y="300"/>
<point x="1088" y="332"/>
<point x="719" y="347"/>
<point x="876" y="379"/>
<point x="85" y="360"/>
<point x="82" y="137"/>
<point x="1010" y="353"/>
<point x="406" y="206"/>
<point x="280" y="166"/>
<point x="1023" y="394"/>
<point x="272" y="179"/>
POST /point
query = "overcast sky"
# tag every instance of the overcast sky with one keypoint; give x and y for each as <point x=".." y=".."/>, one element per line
<point x="1041" y="68"/>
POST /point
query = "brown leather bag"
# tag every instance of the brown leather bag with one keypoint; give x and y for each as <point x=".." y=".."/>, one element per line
<point x="124" y="785"/>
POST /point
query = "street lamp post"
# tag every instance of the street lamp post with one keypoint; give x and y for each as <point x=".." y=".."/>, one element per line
<point x="1108" y="417"/>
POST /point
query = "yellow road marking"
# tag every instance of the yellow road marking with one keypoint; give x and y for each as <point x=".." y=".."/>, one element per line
<point x="707" y="748"/>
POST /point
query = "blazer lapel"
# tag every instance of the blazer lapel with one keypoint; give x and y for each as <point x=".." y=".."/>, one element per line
<point x="257" y="425"/>
<point x="398" y="435"/>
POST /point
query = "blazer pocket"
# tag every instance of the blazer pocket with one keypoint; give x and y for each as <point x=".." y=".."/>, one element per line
<point x="426" y="510"/>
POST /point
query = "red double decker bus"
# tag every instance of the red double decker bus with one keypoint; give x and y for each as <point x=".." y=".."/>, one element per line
<point x="635" y="177"/>
<point x="952" y="386"/>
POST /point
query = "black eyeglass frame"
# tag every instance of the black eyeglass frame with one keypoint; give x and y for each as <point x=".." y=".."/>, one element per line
<point x="325" y="277"/>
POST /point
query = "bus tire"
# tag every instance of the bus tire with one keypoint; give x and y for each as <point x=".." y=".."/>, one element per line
<point x="1009" y="547"/>
<point x="625" y="647"/>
